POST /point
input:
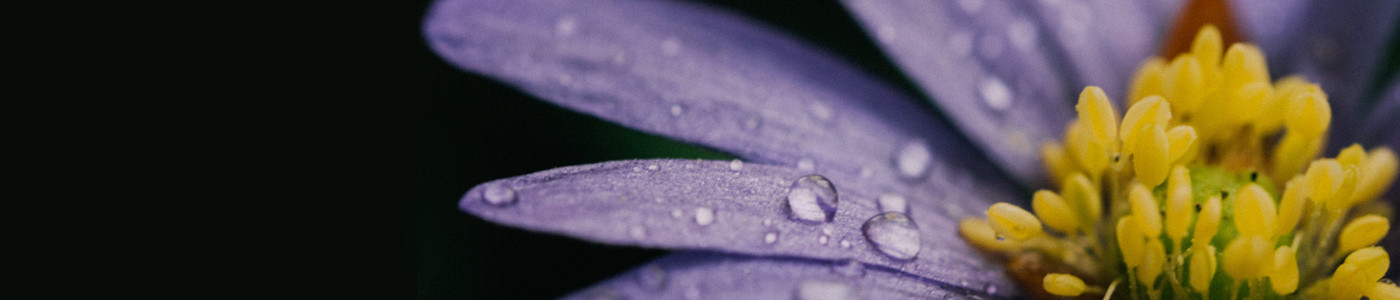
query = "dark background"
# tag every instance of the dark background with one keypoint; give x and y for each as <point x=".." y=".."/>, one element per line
<point x="475" y="129"/>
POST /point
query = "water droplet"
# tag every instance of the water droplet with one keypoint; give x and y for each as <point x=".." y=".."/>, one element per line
<point x="971" y="6"/>
<point x="894" y="234"/>
<point x="866" y="172"/>
<point x="637" y="232"/>
<point x="671" y="46"/>
<point x="653" y="167"/>
<point x="995" y="93"/>
<point x="845" y="244"/>
<point x="1023" y="35"/>
<point x="770" y="237"/>
<point x="498" y="194"/>
<point x="913" y="159"/>
<point x="704" y="216"/>
<point x="960" y="43"/>
<point x="660" y="200"/>
<point x="849" y="268"/>
<point x="991" y="289"/>
<point x="812" y="198"/>
<point x="767" y="222"/>
<point x="822" y="239"/>
<point x="676" y="110"/>
<point x="820" y="111"/>
<point x="565" y="26"/>
<point x="991" y="46"/>
<point x="886" y="34"/>
<point x="824" y="290"/>
<point x="806" y="164"/>
<point x="736" y="165"/>
<point x="893" y="203"/>
<point x="652" y="278"/>
<point x="677" y="213"/>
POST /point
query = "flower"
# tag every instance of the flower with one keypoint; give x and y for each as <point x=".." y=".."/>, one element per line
<point x="761" y="227"/>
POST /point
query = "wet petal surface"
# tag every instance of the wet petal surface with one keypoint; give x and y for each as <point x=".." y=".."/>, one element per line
<point x="704" y="205"/>
<point x="708" y="275"/>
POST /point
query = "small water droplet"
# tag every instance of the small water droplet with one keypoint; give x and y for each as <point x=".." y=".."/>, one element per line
<point x="822" y="240"/>
<point x="671" y="46"/>
<point x="894" y="234"/>
<point x="752" y="123"/>
<point x="653" y="167"/>
<point x="498" y="194"/>
<point x="866" y="172"/>
<point x="770" y="237"/>
<point x="824" y="290"/>
<point x="812" y="198"/>
<point x="1023" y="35"/>
<point x="806" y="164"/>
<point x="652" y="278"/>
<point x="677" y="213"/>
<point x="704" y="216"/>
<point x="637" y="232"/>
<point x="767" y="222"/>
<point x="970" y="6"/>
<point x="886" y="34"/>
<point x="960" y="43"/>
<point x="845" y="244"/>
<point x="821" y="111"/>
<point x="913" y="159"/>
<point x="995" y="93"/>
<point x="676" y="110"/>
<point x="893" y="203"/>
<point x="736" y="165"/>
<point x="565" y="26"/>
<point x="991" y="289"/>
<point x="849" y="268"/>
<point x="660" y="200"/>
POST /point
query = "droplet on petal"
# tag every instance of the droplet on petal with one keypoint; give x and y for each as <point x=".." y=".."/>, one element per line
<point x="894" y="234"/>
<point x="498" y="195"/>
<point x="812" y="198"/>
<point x="893" y="203"/>
<point x="913" y="159"/>
<point x="704" y="216"/>
<point x="824" y="290"/>
<point x="736" y="165"/>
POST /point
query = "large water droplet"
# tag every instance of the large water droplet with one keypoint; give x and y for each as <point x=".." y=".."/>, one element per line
<point x="845" y="244"/>
<point x="812" y="198"/>
<point x="704" y="216"/>
<point x="653" y="167"/>
<point x="894" y="234"/>
<point x="770" y="237"/>
<point x="849" y="268"/>
<point x="913" y="159"/>
<point x="822" y="239"/>
<point x="806" y="164"/>
<point x="824" y="290"/>
<point x="736" y="165"/>
<point x="652" y="278"/>
<point x="893" y="203"/>
<point x="676" y="110"/>
<point x="995" y="93"/>
<point x="498" y="194"/>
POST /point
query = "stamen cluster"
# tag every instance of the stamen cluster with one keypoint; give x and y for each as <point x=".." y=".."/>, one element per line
<point x="1190" y="178"/>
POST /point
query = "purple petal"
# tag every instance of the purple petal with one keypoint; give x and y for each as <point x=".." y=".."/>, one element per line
<point x="1105" y="40"/>
<point x="985" y="65"/>
<point x="706" y="275"/>
<point x="1382" y="123"/>
<point x="1339" y="45"/>
<point x="705" y="77"/>
<point x="709" y="205"/>
<point x="1271" y="24"/>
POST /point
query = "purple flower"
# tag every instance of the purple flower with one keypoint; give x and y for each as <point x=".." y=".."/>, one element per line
<point x="879" y="219"/>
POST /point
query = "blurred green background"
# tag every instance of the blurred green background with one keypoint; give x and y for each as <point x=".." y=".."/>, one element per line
<point x="474" y="129"/>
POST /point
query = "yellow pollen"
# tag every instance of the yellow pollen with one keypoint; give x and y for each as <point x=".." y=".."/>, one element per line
<point x="1211" y="167"/>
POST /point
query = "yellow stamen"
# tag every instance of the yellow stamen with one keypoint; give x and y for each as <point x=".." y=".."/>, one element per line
<point x="1012" y="221"/>
<point x="1248" y="257"/>
<point x="1285" y="271"/>
<point x="1178" y="204"/>
<point x="1362" y="232"/>
<point x="1255" y="212"/>
<point x="1066" y="285"/>
<point x="1097" y="113"/>
<point x="1083" y="197"/>
<point x="1145" y="210"/>
<point x="1358" y="273"/>
<point x="1202" y="268"/>
<point x="1153" y="110"/>
<point x="1291" y="207"/>
<point x="1130" y="241"/>
<point x="1148" y="80"/>
<point x="1150" y="158"/>
<point x="1308" y="113"/>
<point x="1378" y="171"/>
<point x="980" y="233"/>
<point x="1057" y="161"/>
<point x="1383" y="291"/>
<point x="1208" y="222"/>
<point x="1054" y="211"/>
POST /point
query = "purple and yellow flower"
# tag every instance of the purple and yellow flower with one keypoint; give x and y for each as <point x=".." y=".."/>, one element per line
<point x="847" y="188"/>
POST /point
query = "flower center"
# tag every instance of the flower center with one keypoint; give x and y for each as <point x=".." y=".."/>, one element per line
<point x="1213" y="188"/>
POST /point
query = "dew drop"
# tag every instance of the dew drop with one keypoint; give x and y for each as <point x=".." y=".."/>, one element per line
<point x="565" y="26"/>
<point x="995" y="93"/>
<point x="849" y="268"/>
<point x="671" y="46"/>
<point x="913" y="159"/>
<point x="806" y="164"/>
<point x="893" y="203"/>
<point x="845" y="244"/>
<point x="751" y="123"/>
<point x="677" y="213"/>
<point x="824" y="290"/>
<point x="767" y="222"/>
<point x="498" y="194"/>
<point x="812" y="198"/>
<point x="894" y="234"/>
<point x="676" y="110"/>
<point x="704" y="216"/>
<point x="653" y="167"/>
<point x="960" y="43"/>
<point x="770" y="237"/>
<point x="991" y="289"/>
<point x="637" y="232"/>
<point x="652" y="278"/>
<point x="822" y="240"/>
<point x="736" y="165"/>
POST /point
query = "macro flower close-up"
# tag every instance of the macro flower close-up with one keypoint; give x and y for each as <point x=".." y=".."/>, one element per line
<point x="1087" y="149"/>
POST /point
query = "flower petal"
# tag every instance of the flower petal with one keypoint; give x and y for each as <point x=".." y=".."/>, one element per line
<point x="708" y="275"/>
<point x="705" y="77"/>
<point x="709" y="205"/>
<point x="1338" y="45"/>
<point x="1105" y="40"/>
<point x="984" y="66"/>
